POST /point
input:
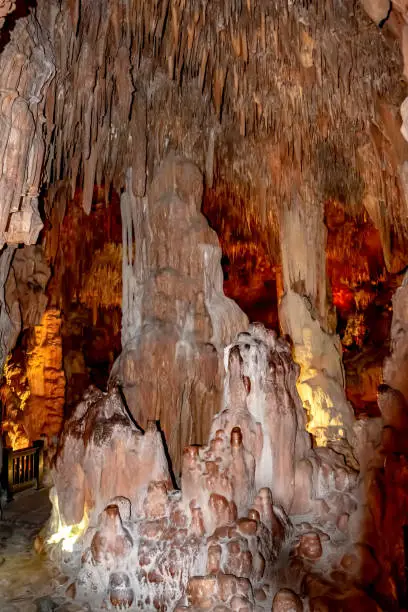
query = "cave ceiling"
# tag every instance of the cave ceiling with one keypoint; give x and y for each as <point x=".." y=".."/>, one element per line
<point x="274" y="101"/>
<point x="266" y="97"/>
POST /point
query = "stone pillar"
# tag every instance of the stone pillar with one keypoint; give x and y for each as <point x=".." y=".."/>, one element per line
<point x="176" y="318"/>
<point x="307" y="317"/>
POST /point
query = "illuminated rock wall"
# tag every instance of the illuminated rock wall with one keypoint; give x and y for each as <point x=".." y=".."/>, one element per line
<point x="44" y="409"/>
<point x="306" y="316"/>
<point x="176" y="318"/>
<point x="33" y="393"/>
<point x="25" y="296"/>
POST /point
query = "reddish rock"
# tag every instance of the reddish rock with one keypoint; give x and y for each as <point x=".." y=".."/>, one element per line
<point x="310" y="546"/>
<point x="286" y="600"/>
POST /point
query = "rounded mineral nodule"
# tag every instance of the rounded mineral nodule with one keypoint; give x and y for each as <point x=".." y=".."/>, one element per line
<point x="286" y="600"/>
<point x="121" y="594"/>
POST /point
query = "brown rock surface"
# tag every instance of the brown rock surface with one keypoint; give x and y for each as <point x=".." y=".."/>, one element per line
<point x="176" y="319"/>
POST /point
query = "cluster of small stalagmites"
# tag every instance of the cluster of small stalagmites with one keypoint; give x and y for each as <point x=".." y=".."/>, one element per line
<point x="218" y="482"/>
<point x="148" y="559"/>
<point x="215" y="544"/>
<point x="239" y="559"/>
<point x="247" y="530"/>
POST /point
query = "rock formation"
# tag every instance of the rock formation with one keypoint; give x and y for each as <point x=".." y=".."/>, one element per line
<point x="6" y="6"/>
<point x="176" y="319"/>
<point x="26" y="285"/>
<point x="46" y="380"/>
<point x="384" y="473"/>
<point x="10" y="318"/>
<point x="100" y="440"/>
<point x="214" y="544"/>
<point x="306" y="316"/>
<point x="33" y="392"/>
<point x="26" y="69"/>
<point x="296" y="115"/>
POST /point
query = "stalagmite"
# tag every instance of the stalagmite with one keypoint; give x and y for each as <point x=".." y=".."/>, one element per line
<point x="174" y="308"/>
<point x="130" y="133"/>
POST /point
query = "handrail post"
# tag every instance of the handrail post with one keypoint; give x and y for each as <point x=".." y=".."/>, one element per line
<point x="8" y="475"/>
<point x="39" y="462"/>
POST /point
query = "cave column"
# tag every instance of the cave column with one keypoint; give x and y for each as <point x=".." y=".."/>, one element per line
<point x="307" y="316"/>
<point x="176" y="319"/>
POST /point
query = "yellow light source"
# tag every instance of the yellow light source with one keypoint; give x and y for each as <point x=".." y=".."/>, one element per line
<point x="68" y="534"/>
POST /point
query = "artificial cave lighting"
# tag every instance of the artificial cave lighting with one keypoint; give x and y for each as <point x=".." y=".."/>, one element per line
<point x="203" y="305"/>
<point x="67" y="535"/>
<point x="318" y="405"/>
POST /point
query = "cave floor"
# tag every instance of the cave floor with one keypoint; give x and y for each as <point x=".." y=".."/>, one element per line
<point x="29" y="582"/>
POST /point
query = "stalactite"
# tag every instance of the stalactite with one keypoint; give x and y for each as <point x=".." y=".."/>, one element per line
<point x="257" y="79"/>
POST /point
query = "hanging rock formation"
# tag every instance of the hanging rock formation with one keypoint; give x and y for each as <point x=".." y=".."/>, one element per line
<point x="176" y="318"/>
<point x="26" y="69"/>
<point x="10" y="318"/>
<point x="26" y="285"/>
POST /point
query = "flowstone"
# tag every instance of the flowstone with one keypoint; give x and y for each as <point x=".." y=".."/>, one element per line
<point x="251" y="527"/>
<point x="176" y="319"/>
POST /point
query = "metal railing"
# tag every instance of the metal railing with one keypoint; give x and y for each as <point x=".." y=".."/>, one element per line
<point x="22" y="469"/>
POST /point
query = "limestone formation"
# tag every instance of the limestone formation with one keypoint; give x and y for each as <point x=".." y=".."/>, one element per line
<point x="6" y="6"/>
<point x="26" y="70"/>
<point x="306" y="316"/>
<point x="287" y="124"/>
<point x="44" y="408"/>
<point x="100" y="440"/>
<point x="26" y="284"/>
<point x="216" y="543"/>
<point x="176" y="318"/>
<point x="10" y="318"/>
